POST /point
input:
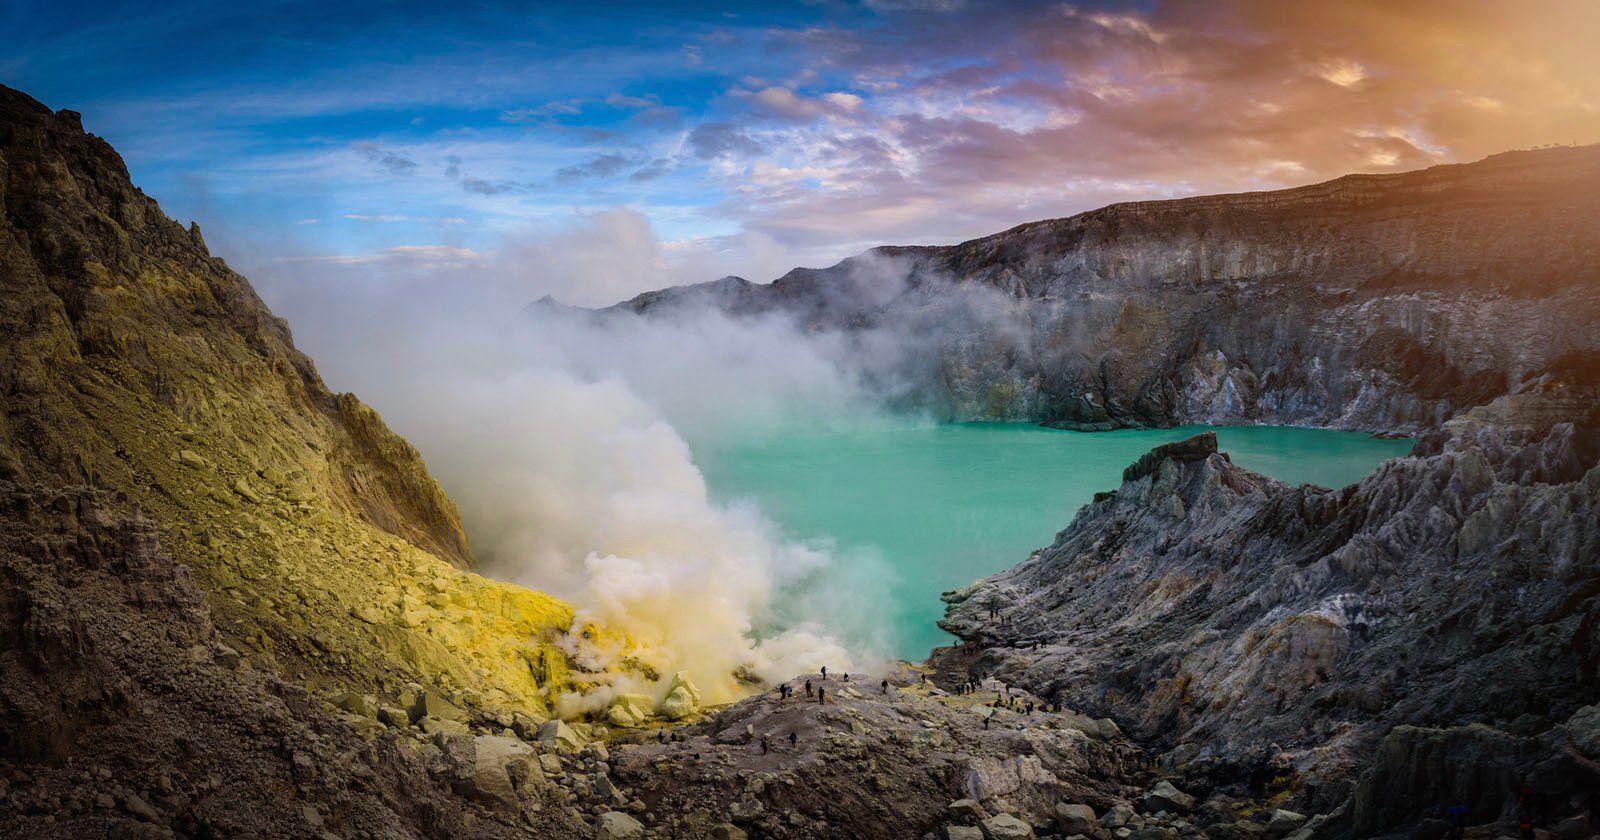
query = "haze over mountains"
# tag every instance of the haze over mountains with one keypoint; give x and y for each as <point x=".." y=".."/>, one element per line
<point x="1385" y="303"/>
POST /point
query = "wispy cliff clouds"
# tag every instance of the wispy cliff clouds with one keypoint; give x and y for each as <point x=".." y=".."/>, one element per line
<point x="811" y="131"/>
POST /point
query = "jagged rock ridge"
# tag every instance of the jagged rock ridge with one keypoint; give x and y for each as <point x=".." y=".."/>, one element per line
<point x="1377" y="302"/>
<point x="1241" y="622"/>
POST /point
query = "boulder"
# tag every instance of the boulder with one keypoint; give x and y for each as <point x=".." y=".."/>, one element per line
<point x="1165" y="797"/>
<point x="394" y="716"/>
<point x="430" y="704"/>
<point x="728" y="831"/>
<point x="136" y="806"/>
<point x="966" y="812"/>
<point x="629" y="710"/>
<point x="227" y="657"/>
<point x="604" y="788"/>
<point x="1005" y="827"/>
<point x="1284" y="822"/>
<point x="357" y="704"/>
<point x="439" y="728"/>
<point x="989" y="778"/>
<point x="246" y="492"/>
<point x="500" y="767"/>
<point x="562" y="735"/>
<point x="615" y="825"/>
<point x="1583" y="731"/>
<point x="365" y="727"/>
<point x="1075" y="819"/>
<point x="1117" y="817"/>
<point x="1309" y="830"/>
<point x="1153" y="832"/>
<point x="526" y="726"/>
<point x="746" y="810"/>
<point x="682" y="697"/>
<point x="1574" y="828"/>
<point x="963" y="832"/>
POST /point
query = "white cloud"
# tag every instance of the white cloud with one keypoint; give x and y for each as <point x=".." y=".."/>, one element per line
<point x="1342" y="71"/>
<point x="618" y="100"/>
<point x="418" y="255"/>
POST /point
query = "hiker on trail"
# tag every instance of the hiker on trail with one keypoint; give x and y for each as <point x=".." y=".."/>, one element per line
<point x="808" y="688"/>
<point x="924" y="679"/>
<point x="885" y="686"/>
<point x="824" y="672"/>
<point x="1457" y="816"/>
<point x="763" y="745"/>
<point x="661" y="736"/>
<point x="1527" y="812"/>
<point x="792" y="740"/>
<point x="846" y="677"/>
<point x="822" y="696"/>
<point x="986" y="724"/>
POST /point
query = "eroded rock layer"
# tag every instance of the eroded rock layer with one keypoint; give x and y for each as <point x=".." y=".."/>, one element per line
<point x="1375" y="302"/>
<point x="1246" y="625"/>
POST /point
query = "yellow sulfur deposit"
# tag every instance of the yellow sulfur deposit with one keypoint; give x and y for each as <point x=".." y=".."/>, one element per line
<point x="135" y="361"/>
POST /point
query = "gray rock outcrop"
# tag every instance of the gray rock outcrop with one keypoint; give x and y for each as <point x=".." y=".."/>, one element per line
<point x="1376" y="302"/>
<point x="1278" y="631"/>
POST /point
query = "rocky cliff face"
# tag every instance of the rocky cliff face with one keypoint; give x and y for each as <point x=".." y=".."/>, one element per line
<point x="133" y="361"/>
<point x="1375" y="302"/>
<point x="1255" y="629"/>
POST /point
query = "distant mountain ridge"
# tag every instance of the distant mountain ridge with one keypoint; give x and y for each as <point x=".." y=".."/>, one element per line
<point x="1386" y="303"/>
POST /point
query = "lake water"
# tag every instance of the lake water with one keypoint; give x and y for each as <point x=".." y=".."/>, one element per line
<point x="913" y="510"/>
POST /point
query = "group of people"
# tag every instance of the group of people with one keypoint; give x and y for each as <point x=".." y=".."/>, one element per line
<point x="785" y="691"/>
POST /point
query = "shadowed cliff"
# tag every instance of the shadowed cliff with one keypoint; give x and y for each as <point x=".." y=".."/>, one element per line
<point x="1251" y="628"/>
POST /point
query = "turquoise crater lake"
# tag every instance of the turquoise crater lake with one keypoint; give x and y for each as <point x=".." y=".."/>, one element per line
<point x="912" y="510"/>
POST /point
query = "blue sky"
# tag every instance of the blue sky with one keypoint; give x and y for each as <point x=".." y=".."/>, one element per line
<point x="669" y="142"/>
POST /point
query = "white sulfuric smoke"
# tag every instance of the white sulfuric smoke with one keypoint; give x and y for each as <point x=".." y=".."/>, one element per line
<point x="564" y="443"/>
